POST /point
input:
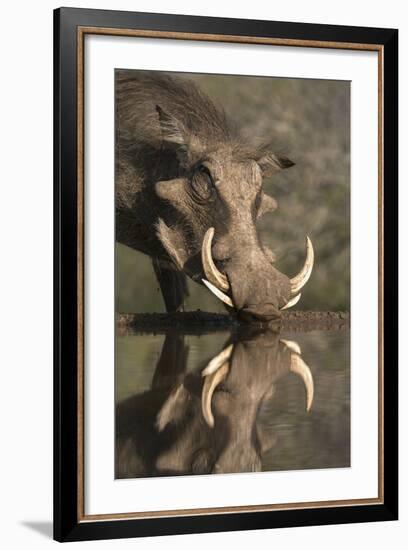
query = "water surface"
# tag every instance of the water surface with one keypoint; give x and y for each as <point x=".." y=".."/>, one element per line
<point x="249" y="414"/>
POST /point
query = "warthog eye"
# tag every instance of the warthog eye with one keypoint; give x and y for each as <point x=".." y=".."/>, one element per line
<point x="258" y="200"/>
<point x="202" y="184"/>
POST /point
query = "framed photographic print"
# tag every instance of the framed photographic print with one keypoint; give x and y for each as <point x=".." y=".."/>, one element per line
<point x="225" y="274"/>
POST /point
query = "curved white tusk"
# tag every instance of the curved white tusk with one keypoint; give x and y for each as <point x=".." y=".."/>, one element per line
<point x="223" y="297"/>
<point x="292" y="302"/>
<point x="292" y="345"/>
<point x="299" y="281"/>
<point x="218" y="361"/>
<point x="299" y="367"/>
<point x="210" y="384"/>
<point x="211" y="272"/>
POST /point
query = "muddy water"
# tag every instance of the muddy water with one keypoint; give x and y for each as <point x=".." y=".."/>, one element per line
<point x="248" y="415"/>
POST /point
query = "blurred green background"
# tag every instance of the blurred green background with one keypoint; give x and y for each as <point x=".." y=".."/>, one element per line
<point x="308" y="121"/>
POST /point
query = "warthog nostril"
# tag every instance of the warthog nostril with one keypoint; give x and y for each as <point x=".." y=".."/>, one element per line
<point x="260" y="312"/>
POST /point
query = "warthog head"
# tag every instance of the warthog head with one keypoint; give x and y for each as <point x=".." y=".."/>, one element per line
<point x="218" y="196"/>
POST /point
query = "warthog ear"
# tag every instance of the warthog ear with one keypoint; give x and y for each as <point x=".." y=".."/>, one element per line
<point x="271" y="163"/>
<point x="173" y="132"/>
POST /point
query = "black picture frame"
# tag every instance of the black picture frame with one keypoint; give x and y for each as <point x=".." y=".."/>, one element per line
<point x="68" y="525"/>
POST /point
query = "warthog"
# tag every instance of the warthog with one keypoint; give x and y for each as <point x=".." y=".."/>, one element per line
<point x="206" y="422"/>
<point x="189" y="194"/>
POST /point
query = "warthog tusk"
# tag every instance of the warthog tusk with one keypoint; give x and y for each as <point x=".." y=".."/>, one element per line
<point x="223" y="297"/>
<point x="299" y="281"/>
<point x="210" y="384"/>
<point x="299" y="367"/>
<point x="211" y="272"/>
<point x="218" y="361"/>
<point x="292" y="302"/>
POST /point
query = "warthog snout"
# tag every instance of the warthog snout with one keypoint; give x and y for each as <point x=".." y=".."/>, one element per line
<point x="250" y="284"/>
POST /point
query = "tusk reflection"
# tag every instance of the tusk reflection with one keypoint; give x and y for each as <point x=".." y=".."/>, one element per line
<point x="292" y="345"/>
<point x="218" y="361"/>
<point x="299" y="367"/>
<point x="210" y="384"/>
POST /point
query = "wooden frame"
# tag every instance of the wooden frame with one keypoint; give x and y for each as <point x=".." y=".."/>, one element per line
<point x="71" y="26"/>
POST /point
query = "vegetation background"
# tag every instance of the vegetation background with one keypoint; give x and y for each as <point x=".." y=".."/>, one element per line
<point x="309" y="121"/>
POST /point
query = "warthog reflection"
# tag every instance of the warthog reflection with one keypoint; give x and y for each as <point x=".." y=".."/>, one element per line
<point x="206" y="421"/>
